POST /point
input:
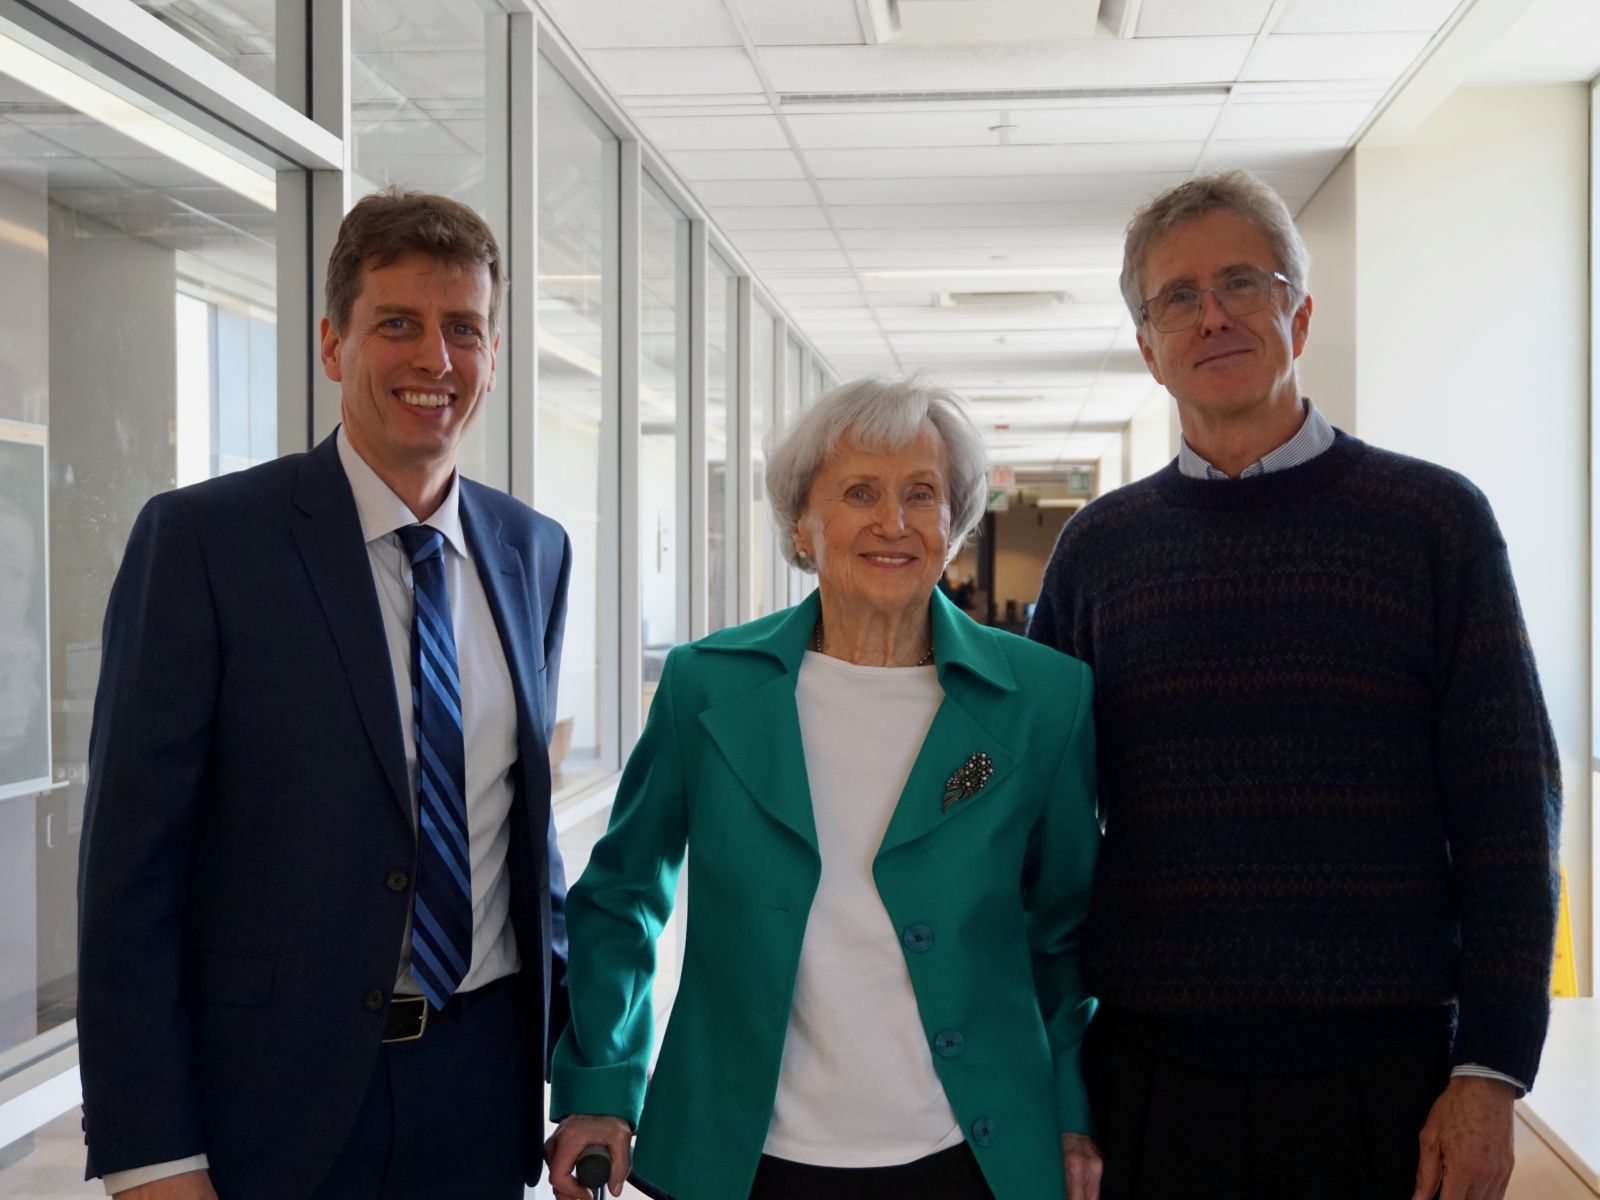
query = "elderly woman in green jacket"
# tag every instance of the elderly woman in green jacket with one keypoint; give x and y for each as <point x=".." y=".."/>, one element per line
<point x="888" y="816"/>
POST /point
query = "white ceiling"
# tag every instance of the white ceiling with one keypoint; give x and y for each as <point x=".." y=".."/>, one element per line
<point x="862" y="180"/>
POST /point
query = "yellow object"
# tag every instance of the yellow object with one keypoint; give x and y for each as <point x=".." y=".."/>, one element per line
<point x="1564" y="979"/>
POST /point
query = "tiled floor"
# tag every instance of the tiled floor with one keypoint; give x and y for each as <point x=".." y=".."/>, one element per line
<point x="53" y="1169"/>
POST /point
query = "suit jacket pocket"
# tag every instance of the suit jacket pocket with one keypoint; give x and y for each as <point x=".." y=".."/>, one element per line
<point x="244" y="979"/>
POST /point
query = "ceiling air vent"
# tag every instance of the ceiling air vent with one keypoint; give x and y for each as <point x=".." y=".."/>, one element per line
<point x="1002" y="299"/>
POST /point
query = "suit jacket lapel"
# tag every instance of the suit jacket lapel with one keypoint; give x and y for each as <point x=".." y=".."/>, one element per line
<point x="971" y="669"/>
<point x="500" y="569"/>
<point x="328" y="532"/>
<point x="759" y="734"/>
<point x="953" y="738"/>
<point x="758" y="731"/>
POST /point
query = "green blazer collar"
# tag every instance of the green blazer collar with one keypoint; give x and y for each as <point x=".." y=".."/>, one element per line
<point x="758" y="732"/>
<point x="958" y="640"/>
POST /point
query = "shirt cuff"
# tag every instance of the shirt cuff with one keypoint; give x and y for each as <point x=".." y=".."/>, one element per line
<point x="1478" y="1071"/>
<point x="121" y="1181"/>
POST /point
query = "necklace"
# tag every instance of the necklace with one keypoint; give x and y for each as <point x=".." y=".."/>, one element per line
<point x="927" y="658"/>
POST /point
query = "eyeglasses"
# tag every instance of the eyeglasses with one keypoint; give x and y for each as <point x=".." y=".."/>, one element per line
<point x="1244" y="291"/>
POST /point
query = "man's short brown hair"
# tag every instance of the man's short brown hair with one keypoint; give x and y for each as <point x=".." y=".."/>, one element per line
<point x="386" y="226"/>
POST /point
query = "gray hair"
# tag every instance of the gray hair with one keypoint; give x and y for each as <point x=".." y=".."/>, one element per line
<point x="880" y="415"/>
<point x="1237" y="192"/>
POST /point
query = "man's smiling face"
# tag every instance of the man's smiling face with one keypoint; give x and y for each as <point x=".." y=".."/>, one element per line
<point x="1223" y="362"/>
<point x="414" y="360"/>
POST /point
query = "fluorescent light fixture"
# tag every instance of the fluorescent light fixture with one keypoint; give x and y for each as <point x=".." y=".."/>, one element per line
<point x="1058" y="501"/>
<point x="68" y="87"/>
<point x="988" y="272"/>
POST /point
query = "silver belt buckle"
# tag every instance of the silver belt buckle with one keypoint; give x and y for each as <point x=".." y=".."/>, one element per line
<point x="422" y="1022"/>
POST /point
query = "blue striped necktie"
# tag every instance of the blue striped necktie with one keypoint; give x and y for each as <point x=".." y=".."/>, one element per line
<point x="441" y="928"/>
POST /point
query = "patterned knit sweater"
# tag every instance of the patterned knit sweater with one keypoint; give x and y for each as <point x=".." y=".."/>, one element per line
<point x="1329" y="785"/>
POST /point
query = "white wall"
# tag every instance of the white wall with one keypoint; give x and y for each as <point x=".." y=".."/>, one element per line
<point x="1110" y="475"/>
<point x="1328" y="366"/>
<point x="1148" y="444"/>
<point x="1469" y="347"/>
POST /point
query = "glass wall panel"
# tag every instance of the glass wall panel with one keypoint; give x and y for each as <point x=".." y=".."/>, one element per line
<point x="242" y="33"/>
<point x="663" y="395"/>
<point x="763" y="407"/>
<point x="794" y="398"/>
<point x="138" y="352"/>
<point x="578" y="234"/>
<point x="418" y="80"/>
<point x="814" y="384"/>
<point x="722" y="391"/>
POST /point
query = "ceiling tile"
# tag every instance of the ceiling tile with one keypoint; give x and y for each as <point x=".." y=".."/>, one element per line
<point x="812" y="23"/>
<point x="734" y="218"/>
<point x="756" y="192"/>
<point x="1114" y="210"/>
<point x="991" y="161"/>
<point x="1091" y="62"/>
<point x="700" y="72"/>
<point x="715" y="133"/>
<point x="1185" y="18"/>
<point x="1287" y="118"/>
<point x="776" y="261"/>
<point x="644" y="23"/>
<point x="986" y="237"/>
<point x="988" y="256"/>
<point x="1366" y="16"/>
<point x="736" y="164"/>
<point x="1127" y="189"/>
<point x="1274" y="156"/>
<point x="867" y="127"/>
<point x="786" y="239"/>
<point x="1336" y="56"/>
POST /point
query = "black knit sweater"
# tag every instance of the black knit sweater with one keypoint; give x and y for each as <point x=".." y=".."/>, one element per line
<point x="1329" y="785"/>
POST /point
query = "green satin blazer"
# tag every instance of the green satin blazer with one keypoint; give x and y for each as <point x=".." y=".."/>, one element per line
<point x="988" y="894"/>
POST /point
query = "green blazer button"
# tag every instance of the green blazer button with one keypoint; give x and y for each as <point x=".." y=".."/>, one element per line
<point x="917" y="938"/>
<point x="949" y="1043"/>
<point x="982" y="1131"/>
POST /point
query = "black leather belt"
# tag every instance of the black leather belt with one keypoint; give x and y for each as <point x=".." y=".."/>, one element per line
<point x="411" y="1016"/>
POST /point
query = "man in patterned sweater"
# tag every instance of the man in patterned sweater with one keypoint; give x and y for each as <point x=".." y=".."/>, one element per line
<point x="1324" y="911"/>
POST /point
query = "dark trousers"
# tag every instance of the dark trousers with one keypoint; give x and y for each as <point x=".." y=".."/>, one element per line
<point x="1169" y="1131"/>
<point x="444" y="1116"/>
<point x="951" y="1174"/>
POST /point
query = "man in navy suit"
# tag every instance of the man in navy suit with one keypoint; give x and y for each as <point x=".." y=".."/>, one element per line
<point x="322" y="945"/>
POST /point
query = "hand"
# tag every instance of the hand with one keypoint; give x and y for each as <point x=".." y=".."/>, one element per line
<point x="562" y="1148"/>
<point x="190" y="1185"/>
<point x="1466" y="1142"/>
<point x="1081" y="1158"/>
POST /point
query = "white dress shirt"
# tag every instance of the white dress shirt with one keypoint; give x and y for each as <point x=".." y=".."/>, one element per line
<point x="857" y="1085"/>
<point x="489" y="718"/>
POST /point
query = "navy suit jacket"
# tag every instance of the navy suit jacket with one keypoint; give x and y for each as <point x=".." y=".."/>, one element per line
<point x="248" y="801"/>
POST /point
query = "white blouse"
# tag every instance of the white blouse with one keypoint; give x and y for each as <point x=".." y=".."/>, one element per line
<point x="857" y="1087"/>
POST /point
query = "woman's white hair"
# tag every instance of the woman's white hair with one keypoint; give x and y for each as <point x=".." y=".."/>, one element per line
<point x="880" y="415"/>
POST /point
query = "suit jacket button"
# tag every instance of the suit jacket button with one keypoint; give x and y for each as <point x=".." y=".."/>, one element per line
<point x="917" y="938"/>
<point x="398" y="881"/>
<point x="982" y="1131"/>
<point x="949" y="1043"/>
<point x="373" y="1000"/>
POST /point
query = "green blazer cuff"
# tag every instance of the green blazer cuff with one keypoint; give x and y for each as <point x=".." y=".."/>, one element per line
<point x="614" y="1091"/>
<point x="1072" y="1098"/>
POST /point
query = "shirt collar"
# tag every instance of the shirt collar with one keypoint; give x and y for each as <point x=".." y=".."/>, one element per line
<point x="1313" y="437"/>
<point x="382" y="512"/>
